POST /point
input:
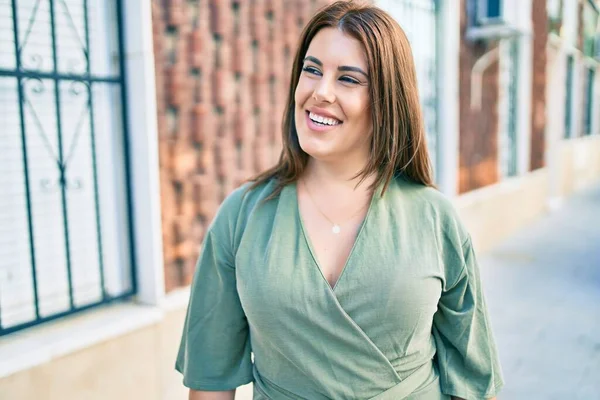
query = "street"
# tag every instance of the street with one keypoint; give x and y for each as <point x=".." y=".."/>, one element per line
<point x="543" y="292"/>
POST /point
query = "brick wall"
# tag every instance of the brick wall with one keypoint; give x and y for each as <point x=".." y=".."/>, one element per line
<point x="222" y="72"/>
<point x="538" y="93"/>
<point x="478" y="140"/>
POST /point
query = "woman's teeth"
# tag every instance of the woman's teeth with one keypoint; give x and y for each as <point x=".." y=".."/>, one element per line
<point x="323" y="120"/>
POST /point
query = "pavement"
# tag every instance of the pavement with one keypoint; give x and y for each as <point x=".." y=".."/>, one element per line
<point x="542" y="287"/>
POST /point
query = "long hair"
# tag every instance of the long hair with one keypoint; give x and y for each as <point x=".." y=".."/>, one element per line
<point x="398" y="146"/>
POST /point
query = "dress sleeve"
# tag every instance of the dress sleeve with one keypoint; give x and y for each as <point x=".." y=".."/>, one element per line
<point x="466" y="350"/>
<point x="215" y="352"/>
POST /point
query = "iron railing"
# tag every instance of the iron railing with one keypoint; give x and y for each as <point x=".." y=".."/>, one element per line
<point x="79" y="254"/>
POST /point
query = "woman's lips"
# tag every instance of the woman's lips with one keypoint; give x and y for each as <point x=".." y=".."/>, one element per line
<point x="318" y="127"/>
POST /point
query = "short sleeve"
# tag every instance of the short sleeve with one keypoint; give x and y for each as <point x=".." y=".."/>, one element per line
<point x="466" y="350"/>
<point x="215" y="352"/>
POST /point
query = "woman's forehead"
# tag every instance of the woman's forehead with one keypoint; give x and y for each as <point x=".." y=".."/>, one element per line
<point x="335" y="48"/>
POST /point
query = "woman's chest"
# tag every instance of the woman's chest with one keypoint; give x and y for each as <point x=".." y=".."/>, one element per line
<point x="385" y="281"/>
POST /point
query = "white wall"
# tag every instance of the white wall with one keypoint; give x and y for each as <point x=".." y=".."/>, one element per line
<point x="143" y="135"/>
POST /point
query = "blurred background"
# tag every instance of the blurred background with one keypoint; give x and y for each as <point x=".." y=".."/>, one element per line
<point x="124" y="124"/>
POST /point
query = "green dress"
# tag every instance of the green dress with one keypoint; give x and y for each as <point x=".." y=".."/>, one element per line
<point x="406" y="319"/>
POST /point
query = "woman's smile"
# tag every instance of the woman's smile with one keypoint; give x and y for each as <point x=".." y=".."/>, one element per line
<point x="321" y="122"/>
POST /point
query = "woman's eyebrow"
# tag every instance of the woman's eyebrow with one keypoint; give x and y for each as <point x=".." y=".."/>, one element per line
<point x="341" y="68"/>
<point x="353" y="69"/>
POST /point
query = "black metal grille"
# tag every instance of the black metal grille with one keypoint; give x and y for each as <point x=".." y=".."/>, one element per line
<point x="65" y="232"/>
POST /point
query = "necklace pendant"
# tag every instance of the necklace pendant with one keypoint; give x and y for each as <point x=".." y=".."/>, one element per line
<point x="336" y="229"/>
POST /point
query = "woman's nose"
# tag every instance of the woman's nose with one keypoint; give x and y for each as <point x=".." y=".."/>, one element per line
<point x="324" y="91"/>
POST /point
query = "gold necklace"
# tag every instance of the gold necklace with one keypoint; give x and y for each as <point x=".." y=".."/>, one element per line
<point x="335" y="228"/>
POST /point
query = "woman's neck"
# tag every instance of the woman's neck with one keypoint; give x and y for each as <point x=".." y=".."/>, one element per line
<point x="336" y="175"/>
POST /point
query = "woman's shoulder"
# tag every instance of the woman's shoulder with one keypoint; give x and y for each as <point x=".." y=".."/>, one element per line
<point x="421" y="195"/>
<point x="428" y="202"/>
<point x="244" y="199"/>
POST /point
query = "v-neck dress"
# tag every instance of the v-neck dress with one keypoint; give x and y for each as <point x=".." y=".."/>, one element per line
<point x="406" y="318"/>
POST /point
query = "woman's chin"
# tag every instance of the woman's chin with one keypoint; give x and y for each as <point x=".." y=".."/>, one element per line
<point x="316" y="151"/>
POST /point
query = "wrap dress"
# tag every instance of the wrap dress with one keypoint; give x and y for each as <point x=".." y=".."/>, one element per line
<point x="406" y="319"/>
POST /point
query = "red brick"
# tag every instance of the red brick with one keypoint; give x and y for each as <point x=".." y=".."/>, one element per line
<point x="184" y="122"/>
<point x="241" y="126"/>
<point x="223" y="89"/>
<point x="260" y="95"/>
<point x="262" y="65"/>
<point x="538" y="92"/>
<point x="165" y="154"/>
<point x="225" y="56"/>
<point x="187" y="269"/>
<point x="244" y="19"/>
<point x="204" y="89"/>
<point x="162" y="127"/>
<point x="207" y="209"/>
<point x="203" y="188"/>
<point x="247" y="160"/>
<point x="178" y="89"/>
<point x="184" y="160"/>
<point x="187" y="201"/>
<point x="176" y="12"/>
<point x="206" y="161"/>
<point x="181" y="227"/>
<point x="257" y="19"/>
<point x="242" y="56"/>
<point x="171" y="274"/>
<point x="222" y="18"/>
<point x="275" y="125"/>
<point x="202" y="123"/>
<point x="198" y="41"/>
<point x="225" y="159"/>
<point x="186" y="249"/>
<point x="197" y="232"/>
<point x="304" y="12"/>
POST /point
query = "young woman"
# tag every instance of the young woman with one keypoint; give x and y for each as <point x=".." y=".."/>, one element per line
<point x="342" y="270"/>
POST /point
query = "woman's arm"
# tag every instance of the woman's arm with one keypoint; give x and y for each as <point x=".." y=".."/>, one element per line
<point x="201" y="395"/>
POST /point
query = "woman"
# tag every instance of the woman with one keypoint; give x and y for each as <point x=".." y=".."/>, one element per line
<point x="342" y="270"/>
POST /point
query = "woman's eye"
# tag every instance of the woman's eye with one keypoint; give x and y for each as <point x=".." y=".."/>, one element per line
<point x="311" y="70"/>
<point x="349" y="80"/>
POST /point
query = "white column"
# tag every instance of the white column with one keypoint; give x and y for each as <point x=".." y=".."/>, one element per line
<point x="555" y="115"/>
<point x="448" y="85"/>
<point x="143" y="145"/>
<point x="524" y="92"/>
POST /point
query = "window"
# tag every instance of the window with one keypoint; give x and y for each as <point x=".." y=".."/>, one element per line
<point x="65" y="241"/>
<point x="419" y="19"/>
<point x="589" y="100"/>
<point x="555" y="16"/>
<point x="590" y="29"/>
<point x="569" y="96"/>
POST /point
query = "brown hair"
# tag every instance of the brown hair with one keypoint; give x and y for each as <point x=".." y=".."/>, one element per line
<point x="398" y="146"/>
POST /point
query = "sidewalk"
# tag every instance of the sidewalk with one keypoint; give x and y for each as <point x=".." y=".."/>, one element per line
<point x="543" y="292"/>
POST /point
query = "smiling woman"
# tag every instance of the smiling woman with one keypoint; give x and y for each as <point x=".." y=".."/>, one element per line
<point x="341" y="269"/>
<point x="332" y="113"/>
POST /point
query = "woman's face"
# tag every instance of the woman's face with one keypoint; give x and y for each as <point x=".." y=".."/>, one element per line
<point x="332" y="114"/>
